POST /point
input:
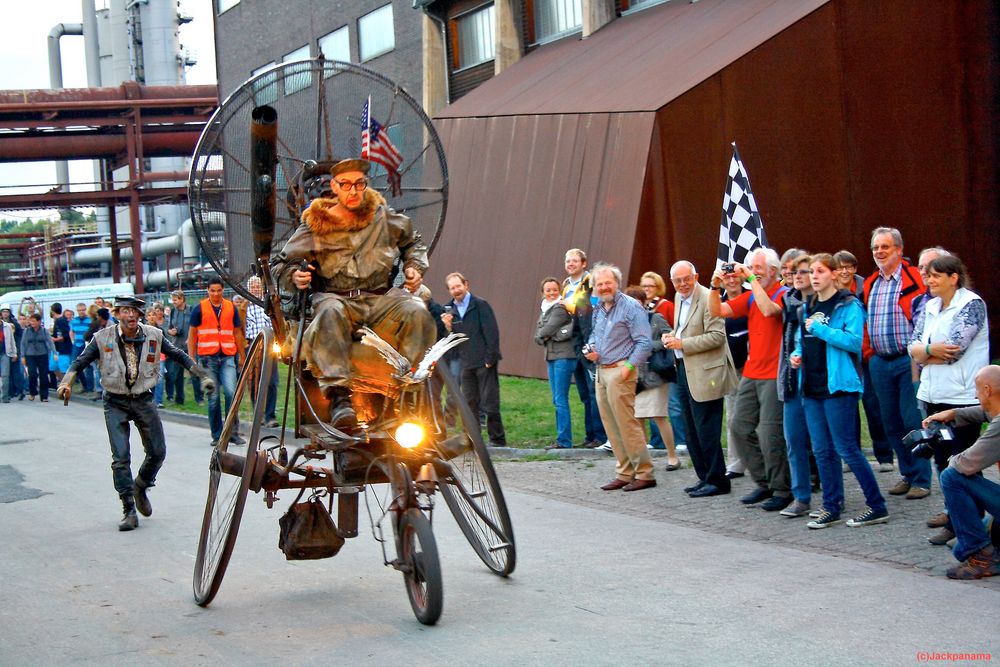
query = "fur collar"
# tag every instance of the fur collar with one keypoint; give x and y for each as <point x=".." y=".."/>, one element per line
<point x="325" y="216"/>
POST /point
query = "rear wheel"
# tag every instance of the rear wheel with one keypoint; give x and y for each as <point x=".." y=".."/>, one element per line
<point x="230" y="470"/>
<point x="421" y="566"/>
<point x="470" y="486"/>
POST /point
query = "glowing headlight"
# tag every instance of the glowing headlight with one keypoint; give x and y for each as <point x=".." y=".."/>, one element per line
<point x="276" y="349"/>
<point x="409" y="435"/>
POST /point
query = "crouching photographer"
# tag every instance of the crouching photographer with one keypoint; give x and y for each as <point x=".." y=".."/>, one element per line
<point x="967" y="494"/>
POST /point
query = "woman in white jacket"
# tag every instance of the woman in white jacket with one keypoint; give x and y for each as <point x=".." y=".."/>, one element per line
<point x="950" y="343"/>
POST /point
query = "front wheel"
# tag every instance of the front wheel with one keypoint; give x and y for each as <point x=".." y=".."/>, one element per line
<point x="421" y="567"/>
<point x="231" y="470"/>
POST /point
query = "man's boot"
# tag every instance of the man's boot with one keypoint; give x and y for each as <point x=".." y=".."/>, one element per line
<point x="342" y="415"/>
<point x="141" y="499"/>
<point x="129" y="520"/>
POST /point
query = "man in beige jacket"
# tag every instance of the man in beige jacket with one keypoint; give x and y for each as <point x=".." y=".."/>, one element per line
<point x="705" y="374"/>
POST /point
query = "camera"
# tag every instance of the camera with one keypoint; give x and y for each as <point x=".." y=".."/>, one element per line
<point x="728" y="268"/>
<point x="922" y="441"/>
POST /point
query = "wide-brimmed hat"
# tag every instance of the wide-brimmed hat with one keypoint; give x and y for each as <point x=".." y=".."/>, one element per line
<point x="129" y="302"/>
<point x="351" y="164"/>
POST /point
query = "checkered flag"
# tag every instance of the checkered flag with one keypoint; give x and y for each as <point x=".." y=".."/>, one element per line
<point x="741" y="229"/>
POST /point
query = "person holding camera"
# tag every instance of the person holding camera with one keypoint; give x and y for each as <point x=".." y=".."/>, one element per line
<point x="950" y="341"/>
<point x="554" y="331"/>
<point x="828" y="355"/>
<point x="966" y="492"/>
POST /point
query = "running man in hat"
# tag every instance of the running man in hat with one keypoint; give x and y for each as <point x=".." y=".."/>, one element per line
<point x="128" y="356"/>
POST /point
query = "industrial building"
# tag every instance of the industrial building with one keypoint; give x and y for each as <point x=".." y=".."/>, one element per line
<point x="139" y="123"/>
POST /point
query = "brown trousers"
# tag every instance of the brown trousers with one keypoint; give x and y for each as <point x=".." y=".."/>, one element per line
<point x="398" y="318"/>
<point x="616" y="403"/>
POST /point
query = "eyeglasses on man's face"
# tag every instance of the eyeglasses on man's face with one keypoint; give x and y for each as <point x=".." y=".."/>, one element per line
<point x="357" y="186"/>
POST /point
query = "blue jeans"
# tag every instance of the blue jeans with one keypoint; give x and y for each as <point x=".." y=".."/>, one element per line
<point x="967" y="497"/>
<point x="676" y="412"/>
<point x="560" y="374"/>
<point x="797" y="446"/>
<point x="893" y="383"/>
<point x="585" y="388"/>
<point x="86" y="376"/>
<point x="223" y="371"/>
<point x="118" y="412"/>
<point x="833" y="427"/>
<point x="880" y="442"/>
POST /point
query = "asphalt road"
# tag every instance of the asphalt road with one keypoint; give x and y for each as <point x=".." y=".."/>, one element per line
<point x="601" y="579"/>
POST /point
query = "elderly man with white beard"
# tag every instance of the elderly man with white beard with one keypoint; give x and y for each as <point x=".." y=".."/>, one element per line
<point x="620" y="342"/>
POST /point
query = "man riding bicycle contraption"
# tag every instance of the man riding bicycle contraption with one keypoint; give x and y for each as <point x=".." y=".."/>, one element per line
<point x="345" y="251"/>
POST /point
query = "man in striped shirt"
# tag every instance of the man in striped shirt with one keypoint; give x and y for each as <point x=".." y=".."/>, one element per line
<point x="256" y="321"/>
<point x="619" y="343"/>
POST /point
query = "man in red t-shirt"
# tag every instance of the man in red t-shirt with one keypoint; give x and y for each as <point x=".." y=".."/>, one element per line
<point x="756" y="424"/>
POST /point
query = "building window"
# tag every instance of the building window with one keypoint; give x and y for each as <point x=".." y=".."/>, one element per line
<point x="298" y="76"/>
<point x="475" y="35"/>
<point x="556" y="18"/>
<point x="336" y="46"/>
<point x="223" y="5"/>
<point x="265" y="89"/>
<point x="638" y="5"/>
<point x="375" y="33"/>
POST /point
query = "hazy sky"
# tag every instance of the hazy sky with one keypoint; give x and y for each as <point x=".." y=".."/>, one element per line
<point x="24" y="31"/>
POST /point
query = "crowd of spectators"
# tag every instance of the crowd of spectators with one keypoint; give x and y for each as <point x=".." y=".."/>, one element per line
<point x="795" y="347"/>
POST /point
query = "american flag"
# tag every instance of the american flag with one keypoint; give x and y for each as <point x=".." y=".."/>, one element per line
<point x="741" y="229"/>
<point x="377" y="147"/>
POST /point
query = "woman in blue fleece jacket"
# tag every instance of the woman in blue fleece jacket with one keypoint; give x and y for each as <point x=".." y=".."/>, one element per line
<point x="828" y="356"/>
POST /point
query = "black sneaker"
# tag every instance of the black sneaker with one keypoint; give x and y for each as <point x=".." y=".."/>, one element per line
<point x="775" y="503"/>
<point x="869" y="518"/>
<point x="824" y="520"/>
<point x="237" y="440"/>
<point x="757" y="495"/>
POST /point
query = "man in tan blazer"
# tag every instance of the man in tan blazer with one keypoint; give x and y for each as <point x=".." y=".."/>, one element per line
<point x="705" y="374"/>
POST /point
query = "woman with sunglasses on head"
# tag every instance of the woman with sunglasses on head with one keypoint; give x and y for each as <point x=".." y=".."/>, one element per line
<point x="828" y="356"/>
<point x="950" y="343"/>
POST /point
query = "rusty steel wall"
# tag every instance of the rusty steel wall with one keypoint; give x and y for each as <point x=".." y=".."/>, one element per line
<point x="888" y="122"/>
<point x="860" y="114"/>
<point x="524" y="190"/>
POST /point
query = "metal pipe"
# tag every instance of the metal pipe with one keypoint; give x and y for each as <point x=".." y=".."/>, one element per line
<point x="56" y="81"/>
<point x="91" y="44"/>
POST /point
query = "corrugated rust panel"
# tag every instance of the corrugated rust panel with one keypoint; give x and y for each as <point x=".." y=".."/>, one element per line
<point x="525" y="189"/>
<point x="873" y="128"/>
<point x="636" y="63"/>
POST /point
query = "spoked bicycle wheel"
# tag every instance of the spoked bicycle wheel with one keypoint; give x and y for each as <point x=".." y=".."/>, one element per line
<point x="471" y="489"/>
<point x="421" y="566"/>
<point x="230" y="470"/>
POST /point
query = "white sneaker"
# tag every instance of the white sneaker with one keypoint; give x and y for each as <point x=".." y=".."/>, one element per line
<point x="681" y="448"/>
<point x="649" y="446"/>
<point x="606" y="447"/>
<point x="886" y="467"/>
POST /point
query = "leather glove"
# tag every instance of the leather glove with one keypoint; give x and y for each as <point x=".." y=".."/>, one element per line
<point x="207" y="382"/>
<point x="65" y="389"/>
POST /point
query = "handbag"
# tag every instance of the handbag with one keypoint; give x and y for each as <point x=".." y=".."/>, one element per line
<point x="662" y="363"/>
<point x="307" y="531"/>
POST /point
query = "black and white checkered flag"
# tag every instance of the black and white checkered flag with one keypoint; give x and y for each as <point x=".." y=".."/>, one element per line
<point x="741" y="229"/>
